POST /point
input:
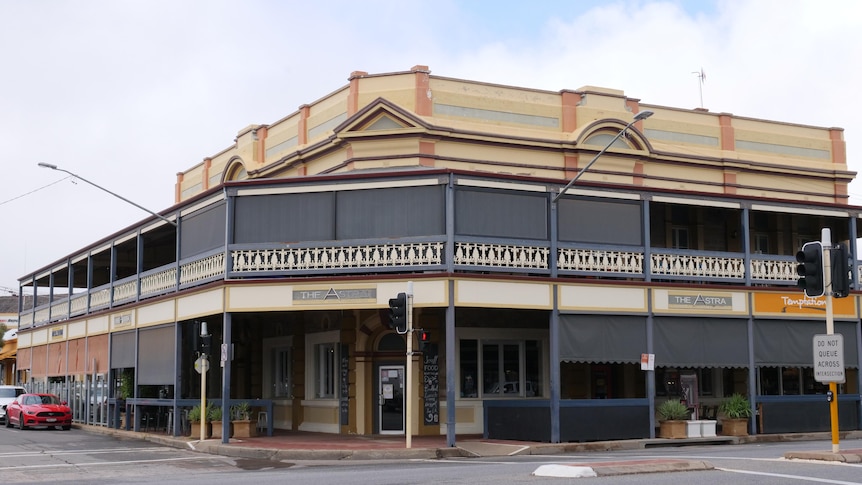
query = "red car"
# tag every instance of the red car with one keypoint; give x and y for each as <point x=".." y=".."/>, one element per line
<point x="38" y="410"/>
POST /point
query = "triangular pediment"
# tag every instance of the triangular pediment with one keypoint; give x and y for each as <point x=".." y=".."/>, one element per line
<point x="380" y="115"/>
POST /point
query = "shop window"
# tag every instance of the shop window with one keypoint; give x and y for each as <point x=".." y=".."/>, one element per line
<point x="810" y="386"/>
<point x="282" y="372"/>
<point x="469" y="354"/>
<point x="326" y="359"/>
<point x="508" y="368"/>
<point x="790" y="380"/>
<point x="321" y="365"/>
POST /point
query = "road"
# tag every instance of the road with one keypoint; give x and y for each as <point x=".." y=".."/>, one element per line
<point x="67" y="457"/>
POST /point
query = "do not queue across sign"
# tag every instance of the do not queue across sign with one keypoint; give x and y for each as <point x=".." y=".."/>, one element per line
<point x="829" y="358"/>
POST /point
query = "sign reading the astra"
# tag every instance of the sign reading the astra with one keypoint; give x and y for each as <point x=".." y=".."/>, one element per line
<point x="699" y="300"/>
<point x="334" y="295"/>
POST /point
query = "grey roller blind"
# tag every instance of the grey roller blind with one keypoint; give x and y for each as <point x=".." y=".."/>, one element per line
<point x="700" y="342"/>
<point x="202" y="230"/>
<point x="156" y="358"/>
<point x="501" y="214"/>
<point x="122" y="350"/>
<point x="790" y="343"/>
<point x="602" y="338"/>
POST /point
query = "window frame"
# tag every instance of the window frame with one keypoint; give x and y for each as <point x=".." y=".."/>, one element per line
<point x="501" y="337"/>
<point x="313" y="373"/>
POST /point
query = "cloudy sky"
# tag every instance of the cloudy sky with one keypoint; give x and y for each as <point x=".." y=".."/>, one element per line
<point x="128" y="93"/>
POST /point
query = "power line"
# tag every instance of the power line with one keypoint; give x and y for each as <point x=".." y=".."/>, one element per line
<point x="35" y="190"/>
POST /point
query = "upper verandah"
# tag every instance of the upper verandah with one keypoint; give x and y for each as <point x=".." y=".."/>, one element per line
<point x="438" y="121"/>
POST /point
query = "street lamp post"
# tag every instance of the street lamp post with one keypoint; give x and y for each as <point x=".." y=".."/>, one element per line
<point x="638" y="117"/>
<point x="54" y="167"/>
<point x="555" y="314"/>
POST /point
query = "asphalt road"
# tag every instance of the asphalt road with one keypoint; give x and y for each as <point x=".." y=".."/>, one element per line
<point x="41" y="456"/>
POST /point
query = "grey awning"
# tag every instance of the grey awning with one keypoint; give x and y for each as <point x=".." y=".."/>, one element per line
<point x="156" y="348"/>
<point x="122" y="350"/>
<point x="700" y="342"/>
<point x="602" y="338"/>
<point x="790" y="343"/>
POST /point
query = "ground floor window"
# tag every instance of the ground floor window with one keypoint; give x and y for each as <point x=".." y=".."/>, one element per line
<point x="282" y="372"/>
<point x="500" y="368"/>
<point x="326" y="366"/>
<point x="322" y="364"/>
<point x="582" y="380"/>
<point x="788" y="381"/>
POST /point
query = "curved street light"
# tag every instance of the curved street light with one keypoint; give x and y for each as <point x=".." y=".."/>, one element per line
<point x="638" y="117"/>
<point x="54" y="167"/>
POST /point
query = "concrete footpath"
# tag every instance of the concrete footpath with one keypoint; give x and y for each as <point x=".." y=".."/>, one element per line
<point x="287" y="446"/>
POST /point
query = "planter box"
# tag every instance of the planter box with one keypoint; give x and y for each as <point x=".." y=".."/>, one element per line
<point x="244" y="429"/>
<point x="707" y="428"/>
<point x="734" y="427"/>
<point x="672" y="429"/>
<point x="692" y="429"/>
<point x="217" y="428"/>
<point x="196" y="430"/>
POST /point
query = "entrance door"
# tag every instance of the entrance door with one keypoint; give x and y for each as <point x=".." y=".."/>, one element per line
<point x="391" y="399"/>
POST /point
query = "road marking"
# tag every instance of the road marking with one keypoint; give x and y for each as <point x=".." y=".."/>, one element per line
<point x="564" y="471"/>
<point x="83" y="452"/>
<point x="82" y="465"/>
<point x="790" y="477"/>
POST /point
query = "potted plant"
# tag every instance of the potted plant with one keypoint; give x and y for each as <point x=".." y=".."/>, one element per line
<point x="215" y="415"/>
<point x="736" y="410"/>
<point x="672" y="415"/>
<point x="241" y="420"/>
<point x="195" y="419"/>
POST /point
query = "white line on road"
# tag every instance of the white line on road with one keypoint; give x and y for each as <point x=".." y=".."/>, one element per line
<point x="83" y="452"/>
<point x="82" y="465"/>
<point x="790" y="477"/>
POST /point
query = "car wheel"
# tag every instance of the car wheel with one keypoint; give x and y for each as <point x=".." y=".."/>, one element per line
<point x="21" y="422"/>
<point x="66" y="428"/>
<point x="8" y="422"/>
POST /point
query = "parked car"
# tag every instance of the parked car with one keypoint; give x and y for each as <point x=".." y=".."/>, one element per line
<point x="7" y="395"/>
<point x="38" y="410"/>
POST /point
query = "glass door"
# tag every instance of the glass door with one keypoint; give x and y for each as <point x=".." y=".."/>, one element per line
<point x="391" y="399"/>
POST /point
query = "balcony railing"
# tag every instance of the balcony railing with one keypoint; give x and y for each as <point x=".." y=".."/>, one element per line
<point x="251" y="261"/>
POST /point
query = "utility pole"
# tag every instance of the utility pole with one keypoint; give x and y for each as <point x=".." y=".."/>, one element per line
<point x="408" y="383"/>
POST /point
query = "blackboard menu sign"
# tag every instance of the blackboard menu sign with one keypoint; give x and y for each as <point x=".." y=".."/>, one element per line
<point x="345" y="385"/>
<point x="431" y="371"/>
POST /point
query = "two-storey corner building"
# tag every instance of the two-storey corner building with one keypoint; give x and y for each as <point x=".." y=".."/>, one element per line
<point x="679" y="243"/>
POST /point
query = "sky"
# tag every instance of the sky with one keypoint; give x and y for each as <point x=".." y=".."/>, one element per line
<point x="126" y="93"/>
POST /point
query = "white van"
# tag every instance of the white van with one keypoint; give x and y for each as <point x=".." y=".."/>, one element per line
<point x="7" y="395"/>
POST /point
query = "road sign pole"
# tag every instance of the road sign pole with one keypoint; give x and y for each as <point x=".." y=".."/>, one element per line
<point x="408" y="384"/>
<point x="826" y="240"/>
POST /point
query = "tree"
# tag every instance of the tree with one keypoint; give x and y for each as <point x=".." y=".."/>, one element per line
<point x="3" y="330"/>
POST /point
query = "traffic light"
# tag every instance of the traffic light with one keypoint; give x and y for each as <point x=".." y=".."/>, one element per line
<point x="398" y="313"/>
<point x="810" y="269"/>
<point x="840" y="271"/>
<point x="424" y="339"/>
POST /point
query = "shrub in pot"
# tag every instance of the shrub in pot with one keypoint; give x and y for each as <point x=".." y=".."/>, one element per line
<point x="672" y="415"/>
<point x="736" y="410"/>
<point x="243" y="427"/>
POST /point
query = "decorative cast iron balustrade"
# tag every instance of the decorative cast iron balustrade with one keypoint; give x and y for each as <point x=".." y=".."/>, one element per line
<point x="79" y="304"/>
<point x="501" y="256"/>
<point x="59" y="310"/>
<point x="700" y="266"/>
<point x="125" y="291"/>
<point x="202" y="269"/>
<point x="157" y="283"/>
<point x="774" y="270"/>
<point x="601" y="261"/>
<point x="100" y="298"/>
<point x="340" y="257"/>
